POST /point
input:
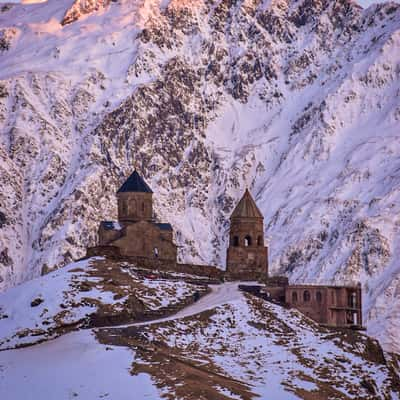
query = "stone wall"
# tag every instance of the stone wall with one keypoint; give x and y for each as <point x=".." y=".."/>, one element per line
<point x="247" y="263"/>
<point x="168" y="265"/>
<point x="145" y="239"/>
<point x="330" y="305"/>
<point x="201" y="270"/>
<point x="105" y="251"/>
<point x="135" y="206"/>
<point x="107" y="235"/>
<point x="160" y="264"/>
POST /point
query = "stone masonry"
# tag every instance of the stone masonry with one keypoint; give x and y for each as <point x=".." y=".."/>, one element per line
<point x="137" y="235"/>
<point x="247" y="257"/>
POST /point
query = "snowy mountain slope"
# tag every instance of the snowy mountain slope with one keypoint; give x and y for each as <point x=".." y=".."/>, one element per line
<point x="79" y="365"/>
<point x="228" y="345"/>
<point x="93" y="292"/>
<point x="248" y="347"/>
<point x="299" y="100"/>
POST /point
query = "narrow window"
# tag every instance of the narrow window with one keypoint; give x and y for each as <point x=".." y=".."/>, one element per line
<point x="352" y="300"/>
<point x="124" y="207"/>
<point x="259" y="241"/>
<point x="319" y="297"/>
<point x="306" y="296"/>
<point x="247" y="241"/>
<point x="156" y="252"/>
<point x="143" y="207"/>
<point x="132" y="207"/>
<point x="294" y="297"/>
<point x="235" y="241"/>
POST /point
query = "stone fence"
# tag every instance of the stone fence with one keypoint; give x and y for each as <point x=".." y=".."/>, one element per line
<point x="161" y="264"/>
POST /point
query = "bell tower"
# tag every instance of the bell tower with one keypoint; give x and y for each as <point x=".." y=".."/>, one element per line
<point x="135" y="200"/>
<point x="247" y="257"/>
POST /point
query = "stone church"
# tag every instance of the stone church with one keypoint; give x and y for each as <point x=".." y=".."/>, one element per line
<point x="136" y="233"/>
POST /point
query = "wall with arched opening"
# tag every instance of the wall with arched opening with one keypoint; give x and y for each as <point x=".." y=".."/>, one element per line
<point x="247" y="241"/>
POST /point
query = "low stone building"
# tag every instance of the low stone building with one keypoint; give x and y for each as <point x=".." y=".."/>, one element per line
<point x="327" y="305"/>
<point x="247" y="256"/>
<point x="136" y="233"/>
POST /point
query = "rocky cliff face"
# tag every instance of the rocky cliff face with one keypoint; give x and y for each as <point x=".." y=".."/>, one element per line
<point x="83" y="7"/>
<point x="298" y="100"/>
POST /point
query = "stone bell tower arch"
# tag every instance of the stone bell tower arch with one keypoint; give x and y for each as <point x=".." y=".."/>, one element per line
<point x="247" y="256"/>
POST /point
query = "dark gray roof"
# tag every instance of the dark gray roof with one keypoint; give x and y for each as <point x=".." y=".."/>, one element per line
<point x="165" y="227"/>
<point x="108" y="225"/>
<point x="135" y="183"/>
<point x="111" y="225"/>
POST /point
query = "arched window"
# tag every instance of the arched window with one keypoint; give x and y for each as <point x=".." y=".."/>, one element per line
<point x="236" y="241"/>
<point x="156" y="254"/>
<point x="132" y="207"/>
<point x="352" y="300"/>
<point x="124" y="207"/>
<point x="349" y="318"/>
<point x="294" y="297"/>
<point x="318" y="296"/>
<point x="259" y="241"/>
<point x="247" y="241"/>
<point x="306" y="296"/>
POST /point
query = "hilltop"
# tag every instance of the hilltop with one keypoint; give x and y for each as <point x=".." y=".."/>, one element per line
<point x="226" y="345"/>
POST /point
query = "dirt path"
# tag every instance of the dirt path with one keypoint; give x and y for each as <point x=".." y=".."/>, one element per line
<point x="185" y="377"/>
<point x="220" y="294"/>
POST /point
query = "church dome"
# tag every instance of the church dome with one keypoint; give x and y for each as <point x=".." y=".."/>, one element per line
<point x="135" y="183"/>
<point x="246" y="208"/>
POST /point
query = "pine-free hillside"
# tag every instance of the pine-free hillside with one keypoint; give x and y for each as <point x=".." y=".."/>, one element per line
<point x="90" y="293"/>
<point x="249" y="348"/>
<point x="226" y="344"/>
<point x="298" y="100"/>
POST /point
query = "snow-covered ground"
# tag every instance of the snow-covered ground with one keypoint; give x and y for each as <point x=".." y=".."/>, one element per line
<point x="220" y="294"/>
<point x="47" y="306"/>
<point x="298" y="100"/>
<point x="73" y="366"/>
<point x="277" y="353"/>
<point x="227" y="344"/>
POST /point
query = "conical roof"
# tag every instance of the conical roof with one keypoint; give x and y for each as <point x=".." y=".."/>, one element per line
<point x="246" y="208"/>
<point x="135" y="183"/>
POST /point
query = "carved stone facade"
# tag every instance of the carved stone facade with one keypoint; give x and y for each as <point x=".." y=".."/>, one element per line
<point x="247" y="257"/>
<point x="136" y="234"/>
